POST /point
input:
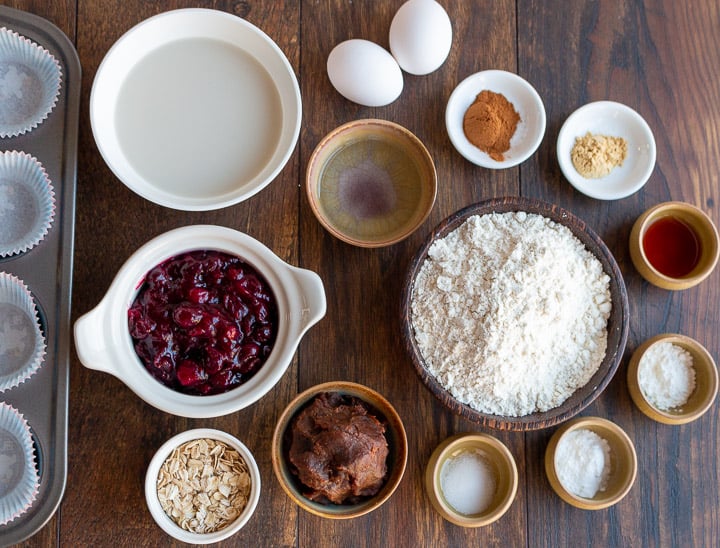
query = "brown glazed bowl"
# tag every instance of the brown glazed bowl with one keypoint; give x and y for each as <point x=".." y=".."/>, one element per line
<point x="617" y="323"/>
<point x="394" y="432"/>
<point x="623" y="463"/>
<point x="705" y="231"/>
<point x="371" y="183"/>
<point x="706" y="381"/>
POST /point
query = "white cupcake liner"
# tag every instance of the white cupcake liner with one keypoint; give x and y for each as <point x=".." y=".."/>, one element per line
<point x="30" y="80"/>
<point x="22" y="345"/>
<point x="27" y="202"/>
<point x="19" y="480"/>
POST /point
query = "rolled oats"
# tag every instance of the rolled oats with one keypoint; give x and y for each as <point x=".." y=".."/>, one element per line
<point x="203" y="485"/>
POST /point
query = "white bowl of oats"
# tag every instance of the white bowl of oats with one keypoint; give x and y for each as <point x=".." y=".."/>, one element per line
<point x="202" y="486"/>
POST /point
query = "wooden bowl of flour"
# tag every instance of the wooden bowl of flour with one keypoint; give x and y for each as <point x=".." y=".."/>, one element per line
<point x="518" y="419"/>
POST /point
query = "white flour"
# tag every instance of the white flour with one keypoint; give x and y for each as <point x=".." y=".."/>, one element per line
<point x="510" y="313"/>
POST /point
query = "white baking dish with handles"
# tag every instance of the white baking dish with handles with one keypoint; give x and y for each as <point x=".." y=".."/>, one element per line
<point x="103" y="341"/>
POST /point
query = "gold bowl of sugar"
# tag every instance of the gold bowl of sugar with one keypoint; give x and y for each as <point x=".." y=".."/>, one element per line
<point x="591" y="463"/>
<point x="471" y="479"/>
<point x="672" y="379"/>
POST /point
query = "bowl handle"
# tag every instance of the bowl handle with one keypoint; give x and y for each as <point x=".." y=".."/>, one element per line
<point x="312" y="296"/>
<point x="90" y="341"/>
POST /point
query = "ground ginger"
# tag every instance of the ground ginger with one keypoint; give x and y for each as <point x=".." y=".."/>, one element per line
<point x="595" y="156"/>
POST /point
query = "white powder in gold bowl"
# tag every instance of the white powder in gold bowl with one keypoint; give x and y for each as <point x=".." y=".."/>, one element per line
<point x="666" y="375"/>
<point x="582" y="461"/>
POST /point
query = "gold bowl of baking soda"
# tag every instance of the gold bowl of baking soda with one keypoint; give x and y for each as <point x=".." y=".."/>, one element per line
<point x="672" y="379"/>
<point x="591" y="463"/>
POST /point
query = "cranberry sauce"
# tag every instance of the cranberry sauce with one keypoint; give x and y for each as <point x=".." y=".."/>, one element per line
<point x="203" y="322"/>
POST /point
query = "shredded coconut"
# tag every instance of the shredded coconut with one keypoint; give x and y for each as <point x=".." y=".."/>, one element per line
<point x="510" y="313"/>
<point x="582" y="462"/>
<point x="666" y="375"/>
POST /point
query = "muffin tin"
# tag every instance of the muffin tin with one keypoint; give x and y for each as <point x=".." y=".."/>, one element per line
<point x="31" y="83"/>
<point x="46" y="270"/>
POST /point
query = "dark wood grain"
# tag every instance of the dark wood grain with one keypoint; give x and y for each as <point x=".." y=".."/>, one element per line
<point x="660" y="57"/>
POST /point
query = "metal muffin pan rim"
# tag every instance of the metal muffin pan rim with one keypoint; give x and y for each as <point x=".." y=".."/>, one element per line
<point x="43" y="398"/>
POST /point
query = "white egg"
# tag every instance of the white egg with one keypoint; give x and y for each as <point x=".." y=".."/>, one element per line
<point x="420" y="36"/>
<point x="365" y="73"/>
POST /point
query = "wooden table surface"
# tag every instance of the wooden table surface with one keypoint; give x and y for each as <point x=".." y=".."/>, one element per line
<point x="660" y="57"/>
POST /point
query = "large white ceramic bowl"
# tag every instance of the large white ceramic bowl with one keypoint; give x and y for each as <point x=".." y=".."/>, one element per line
<point x="195" y="109"/>
<point x="103" y="341"/>
<point x="527" y="103"/>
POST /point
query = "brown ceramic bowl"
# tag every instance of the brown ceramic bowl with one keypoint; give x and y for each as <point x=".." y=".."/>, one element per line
<point x="396" y="438"/>
<point x="701" y="224"/>
<point x="617" y="323"/>
<point x="706" y="381"/>
<point x="371" y="183"/>
<point x="623" y="463"/>
<point x="501" y="463"/>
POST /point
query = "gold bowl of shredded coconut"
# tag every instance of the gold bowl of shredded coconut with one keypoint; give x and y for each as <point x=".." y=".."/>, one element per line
<point x="672" y="379"/>
<point x="202" y="486"/>
<point x="591" y="463"/>
<point x="515" y="314"/>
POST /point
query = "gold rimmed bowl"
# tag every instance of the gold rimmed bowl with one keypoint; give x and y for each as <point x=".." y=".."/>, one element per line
<point x="371" y="183"/>
<point x="502" y="476"/>
<point x="396" y="460"/>
<point x="701" y="397"/>
<point x="622" y="465"/>
<point x="694" y="243"/>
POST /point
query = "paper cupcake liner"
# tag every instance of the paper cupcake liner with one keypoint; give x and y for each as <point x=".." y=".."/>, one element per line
<point x="22" y="345"/>
<point x="19" y="480"/>
<point x="29" y="83"/>
<point x="27" y="202"/>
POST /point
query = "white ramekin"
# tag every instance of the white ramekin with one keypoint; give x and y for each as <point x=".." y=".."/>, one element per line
<point x="102" y="337"/>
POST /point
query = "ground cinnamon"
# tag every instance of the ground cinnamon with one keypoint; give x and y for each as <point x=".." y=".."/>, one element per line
<point x="490" y="122"/>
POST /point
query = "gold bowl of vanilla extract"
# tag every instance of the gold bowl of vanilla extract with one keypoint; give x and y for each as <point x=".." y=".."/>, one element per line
<point x="674" y="245"/>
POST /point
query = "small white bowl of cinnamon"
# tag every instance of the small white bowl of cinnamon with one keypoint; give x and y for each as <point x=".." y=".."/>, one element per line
<point x="495" y="119"/>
